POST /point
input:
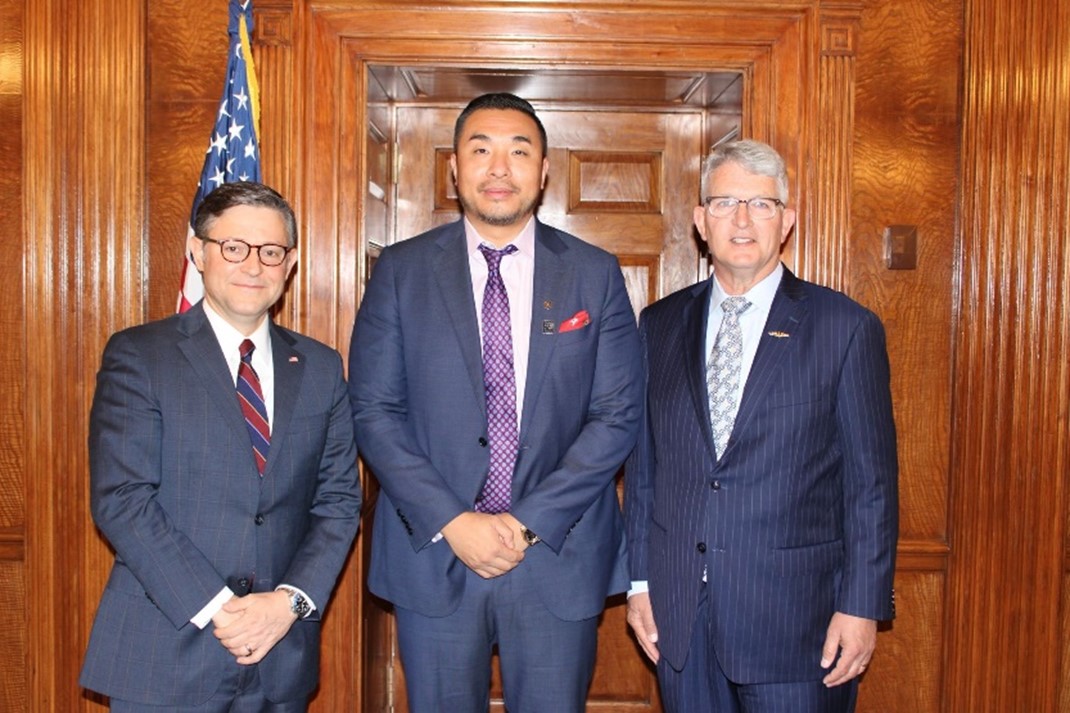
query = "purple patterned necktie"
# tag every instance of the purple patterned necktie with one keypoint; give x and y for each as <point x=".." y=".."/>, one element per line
<point x="499" y="382"/>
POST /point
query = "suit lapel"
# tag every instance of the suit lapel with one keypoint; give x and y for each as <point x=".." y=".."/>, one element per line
<point x="455" y="286"/>
<point x="695" y="321"/>
<point x="202" y="350"/>
<point x="289" y="370"/>
<point x="552" y="280"/>
<point x="786" y="316"/>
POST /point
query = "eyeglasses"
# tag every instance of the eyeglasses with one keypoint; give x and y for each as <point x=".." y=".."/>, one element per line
<point x="234" y="250"/>
<point x="759" y="208"/>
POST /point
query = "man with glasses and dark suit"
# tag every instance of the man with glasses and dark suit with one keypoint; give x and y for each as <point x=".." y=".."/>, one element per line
<point x="761" y="499"/>
<point x="223" y="473"/>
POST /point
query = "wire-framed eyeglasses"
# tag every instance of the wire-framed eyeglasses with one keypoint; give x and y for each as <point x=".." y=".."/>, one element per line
<point x="759" y="208"/>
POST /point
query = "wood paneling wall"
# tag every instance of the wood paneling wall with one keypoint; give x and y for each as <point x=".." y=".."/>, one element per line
<point x="83" y="265"/>
<point x="904" y="169"/>
<point x="958" y="123"/>
<point x="13" y="694"/>
<point x="1011" y="435"/>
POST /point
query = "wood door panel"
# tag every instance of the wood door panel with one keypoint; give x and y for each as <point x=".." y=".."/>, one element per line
<point x="624" y="181"/>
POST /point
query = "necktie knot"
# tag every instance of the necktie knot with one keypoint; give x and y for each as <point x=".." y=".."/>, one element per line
<point x="734" y="306"/>
<point x="246" y="351"/>
<point x="494" y="257"/>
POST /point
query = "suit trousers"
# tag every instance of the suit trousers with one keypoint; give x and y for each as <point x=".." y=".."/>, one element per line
<point x="702" y="687"/>
<point x="546" y="662"/>
<point x="240" y="692"/>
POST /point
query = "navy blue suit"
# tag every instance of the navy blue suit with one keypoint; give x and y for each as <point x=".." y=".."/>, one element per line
<point x="799" y="517"/>
<point x="416" y="384"/>
<point x="176" y="491"/>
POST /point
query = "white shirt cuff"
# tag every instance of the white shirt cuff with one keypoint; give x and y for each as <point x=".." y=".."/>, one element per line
<point x="204" y="616"/>
<point x="639" y="587"/>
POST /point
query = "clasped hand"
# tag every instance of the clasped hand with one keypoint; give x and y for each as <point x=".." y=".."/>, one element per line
<point x="489" y="545"/>
<point x="250" y="626"/>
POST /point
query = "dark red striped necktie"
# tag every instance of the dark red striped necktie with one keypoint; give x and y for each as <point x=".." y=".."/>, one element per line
<point x="251" y="398"/>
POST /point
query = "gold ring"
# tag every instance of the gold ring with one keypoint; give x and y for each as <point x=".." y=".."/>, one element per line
<point x="248" y="650"/>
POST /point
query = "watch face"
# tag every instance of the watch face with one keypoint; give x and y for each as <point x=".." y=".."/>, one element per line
<point x="299" y="606"/>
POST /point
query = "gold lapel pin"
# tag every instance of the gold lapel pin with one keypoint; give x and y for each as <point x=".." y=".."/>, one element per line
<point x="779" y="335"/>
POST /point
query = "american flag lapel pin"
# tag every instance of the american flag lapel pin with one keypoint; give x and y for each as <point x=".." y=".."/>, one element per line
<point x="293" y="360"/>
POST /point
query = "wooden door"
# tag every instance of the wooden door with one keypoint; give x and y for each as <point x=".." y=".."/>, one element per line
<point x="625" y="181"/>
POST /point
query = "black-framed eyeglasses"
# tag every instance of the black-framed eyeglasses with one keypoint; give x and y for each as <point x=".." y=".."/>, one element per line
<point x="234" y="250"/>
<point x="759" y="208"/>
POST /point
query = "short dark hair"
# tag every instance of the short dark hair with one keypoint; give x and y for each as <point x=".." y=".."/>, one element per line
<point x="500" y="101"/>
<point x="248" y="193"/>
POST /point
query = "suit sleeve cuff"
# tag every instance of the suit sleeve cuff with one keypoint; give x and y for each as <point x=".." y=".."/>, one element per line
<point x="202" y="618"/>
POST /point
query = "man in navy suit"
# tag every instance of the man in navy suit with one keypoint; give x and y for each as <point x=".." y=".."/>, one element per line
<point x="761" y="499"/>
<point x="465" y="571"/>
<point x="225" y="556"/>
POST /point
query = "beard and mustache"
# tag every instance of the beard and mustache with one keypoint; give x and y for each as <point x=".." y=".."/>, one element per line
<point x="502" y="217"/>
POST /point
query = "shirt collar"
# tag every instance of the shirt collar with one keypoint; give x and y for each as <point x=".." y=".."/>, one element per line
<point x="760" y="296"/>
<point x="524" y="241"/>
<point x="230" y="338"/>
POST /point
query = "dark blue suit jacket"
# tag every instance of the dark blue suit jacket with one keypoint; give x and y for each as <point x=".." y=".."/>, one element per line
<point x="799" y="518"/>
<point x="416" y="383"/>
<point x="175" y="489"/>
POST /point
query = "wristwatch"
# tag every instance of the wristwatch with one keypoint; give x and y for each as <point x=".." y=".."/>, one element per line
<point x="529" y="537"/>
<point x="298" y="604"/>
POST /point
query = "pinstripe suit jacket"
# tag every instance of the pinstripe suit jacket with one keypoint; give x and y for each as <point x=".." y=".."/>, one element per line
<point x="175" y="489"/>
<point x="416" y="384"/>
<point x="799" y="517"/>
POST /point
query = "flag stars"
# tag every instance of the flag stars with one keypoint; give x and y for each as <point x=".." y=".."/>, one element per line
<point x="219" y="143"/>
<point x="235" y="131"/>
<point x="217" y="178"/>
<point x="223" y="111"/>
<point x="242" y="97"/>
<point x="250" y="149"/>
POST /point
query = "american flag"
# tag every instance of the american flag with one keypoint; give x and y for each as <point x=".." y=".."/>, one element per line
<point x="234" y="151"/>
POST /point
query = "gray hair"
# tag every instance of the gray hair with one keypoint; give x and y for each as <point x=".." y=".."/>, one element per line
<point x="754" y="156"/>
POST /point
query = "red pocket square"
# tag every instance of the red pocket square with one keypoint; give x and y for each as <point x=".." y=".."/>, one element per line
<point x="577" y="321"/>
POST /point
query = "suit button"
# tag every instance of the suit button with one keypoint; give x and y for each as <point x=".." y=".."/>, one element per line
<point x="259" y="519"/>
<point x="244" y="584"/>
<point x="701" y="547"/>
<point x="716" y="485"/>
<point x="482" y="442"/>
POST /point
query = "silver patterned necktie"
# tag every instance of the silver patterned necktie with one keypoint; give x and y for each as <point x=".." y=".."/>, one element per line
<point x="722" y="372"/>
<point x="499" y="382"/>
